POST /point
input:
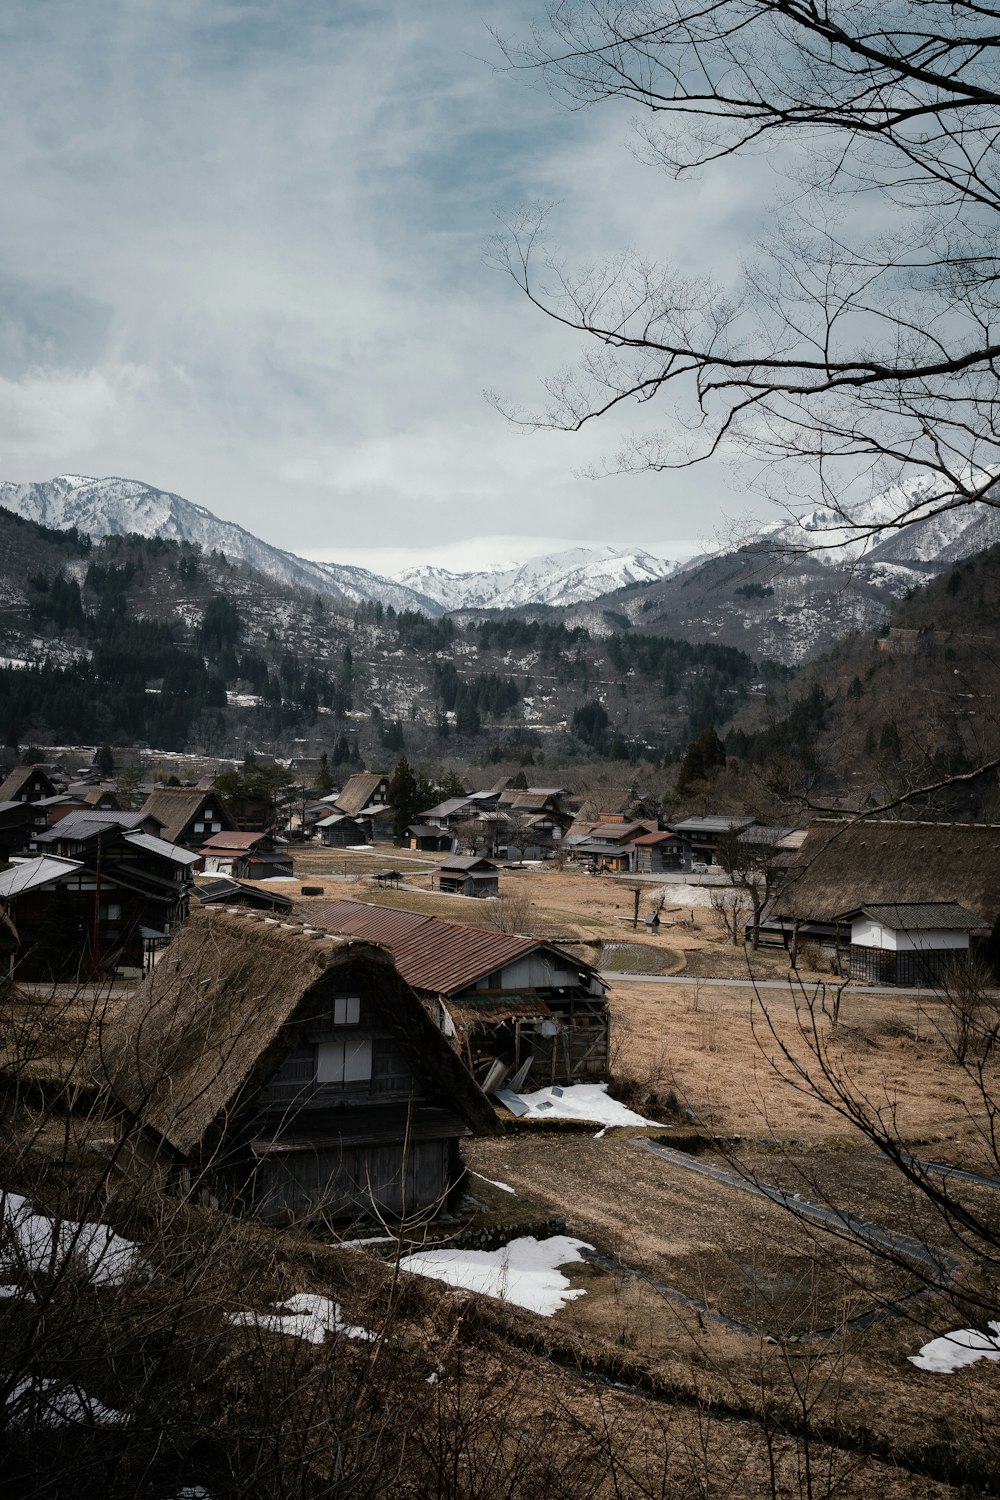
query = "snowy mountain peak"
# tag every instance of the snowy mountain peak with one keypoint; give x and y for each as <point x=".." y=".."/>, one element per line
<point x="113" y="507"/>
<point x="909" y="520"/>
<point x="574" y="576"/>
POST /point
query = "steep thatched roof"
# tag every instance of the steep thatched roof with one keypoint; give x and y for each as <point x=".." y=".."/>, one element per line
<point x="225" y="1004"/>
<point x="359" y="790"/>
<point x="19" y="778"/>
<point x="175" y="806"/>
<point x="844" y="865"/>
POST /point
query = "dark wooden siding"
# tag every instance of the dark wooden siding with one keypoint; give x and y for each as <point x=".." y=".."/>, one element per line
<point x="344" y="1181"/>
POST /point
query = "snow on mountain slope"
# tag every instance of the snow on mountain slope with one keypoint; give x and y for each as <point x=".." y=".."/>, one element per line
<point x="875" y="536"/>
<point x="112" y="506"/>
<point x="571" y="577"/>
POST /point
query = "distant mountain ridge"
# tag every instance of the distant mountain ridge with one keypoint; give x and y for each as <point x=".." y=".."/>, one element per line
<point x="112" y="507"/>
<point x="559" y="578"/>
<point x="879" y="533"/>
<point x="795" y="587"/>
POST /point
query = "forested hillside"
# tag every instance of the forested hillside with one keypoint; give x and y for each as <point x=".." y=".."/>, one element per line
<point x="145" y="641"/>
<point x="906" y="711"/>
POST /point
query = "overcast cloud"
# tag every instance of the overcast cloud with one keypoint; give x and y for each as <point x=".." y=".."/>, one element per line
<point x="242" y="259"/>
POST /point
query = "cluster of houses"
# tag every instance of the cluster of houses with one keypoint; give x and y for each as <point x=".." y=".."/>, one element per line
<point x="325" y="1064"/>
<point x="320" y="1060"/>
<point x="90" y="889"/>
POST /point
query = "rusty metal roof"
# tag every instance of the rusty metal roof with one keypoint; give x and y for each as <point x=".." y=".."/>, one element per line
<point x="431" y="953"/>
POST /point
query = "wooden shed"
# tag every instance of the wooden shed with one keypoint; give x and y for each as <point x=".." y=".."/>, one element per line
<point x="466" y="875"/>
<point x="272" y="1069"/>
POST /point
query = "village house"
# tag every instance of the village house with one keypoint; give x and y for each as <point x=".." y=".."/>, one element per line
<point x="466" y="875"/>
<point x="95" y="799"/>
<point x="274" y="1070"/>
<point x="845" y="868"/>
<point x="363" y="792"/>
<point x="535" y="815"/>
<point x="911" y="943"/>
<point x="100" y="896"/>
<point x="223" y="890"/>
<point x="27" y="784"/>
<point x="338" y="831"/>
<point x="189" y="815"/>
<point x="656" y="853"/>
<point x="608" y="845"/>
<point x="701" y="837"/>
<point x="19" y="824"/>
<point x="246" y="856"/>
<point x="452" y="812"/>
<point x="425" y="836"/>
<point x="519" y="1010"/>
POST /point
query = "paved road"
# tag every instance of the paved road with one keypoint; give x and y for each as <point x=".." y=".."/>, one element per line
<point x="809" y="985"/>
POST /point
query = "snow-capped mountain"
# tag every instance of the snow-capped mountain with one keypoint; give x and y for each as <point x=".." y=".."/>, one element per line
<point x="112" y="507"/>
<point x="880" y="533"/>
<point x="571" y="577"/>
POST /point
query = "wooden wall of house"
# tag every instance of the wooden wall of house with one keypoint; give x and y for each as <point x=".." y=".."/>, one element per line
<point x="294" y="1087"/>
<point x="344" y="1183"/>
<point x="580" y="1052"/>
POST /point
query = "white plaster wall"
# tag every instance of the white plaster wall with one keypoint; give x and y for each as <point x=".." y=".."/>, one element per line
<point x="868" y="934"/>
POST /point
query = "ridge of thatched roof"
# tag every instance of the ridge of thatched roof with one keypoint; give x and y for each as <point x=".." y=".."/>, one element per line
<point x="224" y="1005"/>
<point x="845" y="864"/>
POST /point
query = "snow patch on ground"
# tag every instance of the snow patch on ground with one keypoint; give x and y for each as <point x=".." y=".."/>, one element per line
<point x="953" y="1351"/>
<point x="579" y="1101"/>
<point x="501" y="1185"/>
<point x="524" y="1272"/>
<point x="41" y="1245"/>
<point x="307" y="1315"/>
<point x="51" y="1403"/>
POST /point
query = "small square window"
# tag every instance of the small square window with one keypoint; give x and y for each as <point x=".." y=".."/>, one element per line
<point x="346" y="1010"/>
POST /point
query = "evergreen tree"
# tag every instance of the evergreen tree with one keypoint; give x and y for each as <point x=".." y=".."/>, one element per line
<point x="704" y="755"/>
<point x="404" y="796"/>
<point x="324" y="781"/>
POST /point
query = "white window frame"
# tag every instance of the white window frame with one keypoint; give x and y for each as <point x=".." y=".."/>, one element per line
<point x="346" y="1060"/>
<point x="346" y="1010"/>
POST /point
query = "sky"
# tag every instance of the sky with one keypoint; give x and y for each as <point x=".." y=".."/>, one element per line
<point x="243" y="259"/>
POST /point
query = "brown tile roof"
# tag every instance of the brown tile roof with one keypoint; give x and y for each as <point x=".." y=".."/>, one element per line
<point x="846" y="864"/>
<point x="431" y="953"/>
<point x="192" y="1043"/>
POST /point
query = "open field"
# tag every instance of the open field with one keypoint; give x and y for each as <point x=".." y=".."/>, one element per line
<point x="684" y="1252"/>
<point x="551" y="902"/>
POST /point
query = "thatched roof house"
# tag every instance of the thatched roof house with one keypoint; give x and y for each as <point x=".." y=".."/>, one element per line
<point x="844" y="865"/>
<point x="363" y="790"/>
<point x="292" y="1073"/>
<point x="189" y="815"/>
